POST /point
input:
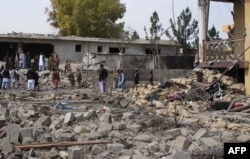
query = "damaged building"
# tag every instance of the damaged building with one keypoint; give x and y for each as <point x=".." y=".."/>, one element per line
<point x="115" y="53"/>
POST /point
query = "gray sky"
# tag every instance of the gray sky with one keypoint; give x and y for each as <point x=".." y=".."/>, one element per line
<point x="28" y="16"/>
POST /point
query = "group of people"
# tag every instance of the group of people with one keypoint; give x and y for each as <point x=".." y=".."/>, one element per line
<point x="23" y="60"/>
<point x="9" y="74"/>
<point x="9" y="78"/>
<point x="119" y="79"/>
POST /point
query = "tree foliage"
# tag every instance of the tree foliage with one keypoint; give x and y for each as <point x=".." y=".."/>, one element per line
<point x="156" y="29"/>
<point x="185" y="30"/>
<point x="130" y="34"/>
<point x="213" y="34"/>
<point x="88" y="18"/>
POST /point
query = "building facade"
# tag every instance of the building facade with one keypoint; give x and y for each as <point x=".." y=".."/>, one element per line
<point x="75" y="48"/>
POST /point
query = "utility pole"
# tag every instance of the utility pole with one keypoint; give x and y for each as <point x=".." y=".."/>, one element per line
<point x="203" y="21"/>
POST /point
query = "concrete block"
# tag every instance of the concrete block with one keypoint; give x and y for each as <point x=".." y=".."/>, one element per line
<point x="69" y="117"/>
<point x="115" y="147"/>
<point x="75" y="153"/>
<point x="6" y="113"/>
<point x="37" y="132"/>
<point x="13" y="133"/>
<point x="128" y="115"/>
<point x="122" y="126"/>
<point x="79" y="117"/>
<point x="135" y="128"/>
<point x="6" y="147"/>
<point x="2" y="122"/>
<point x="45" y="138"/>
<point x="27" y="140"/>
<point x="208" y="142"/>
<point x="106" y="118"/>
<point x="96" y="150"/>
<point x="143" y="137"/>
<point x="200" y="133"/>
<point x="26" y="132"/>
<point x="181" y="143"/>
<point x="43" y="121"/>
<point x="243" y="138"/>
<point x="66" y="137"/>
<point x="181" y="155"/>
<point x="172" y="133"/>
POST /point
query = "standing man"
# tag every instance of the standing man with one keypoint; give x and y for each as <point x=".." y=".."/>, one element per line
<point x="136" y="77"/>
<point x="121" y="83"/>
<point x="50" y="62"/>
<point x="31" y="78"/>
<point x="199" y="74"/>
<point x="41" y="62"/>
<point x="103" y="74"/>
<point x="56" y="61"/>
<point x="55" y="78"/>
<point x="151" y="78"/>
<point x="6" y="78"/>
<point x="71" y="77"/>
<point x="28" y="60"/>
<point x="78" y="77"/>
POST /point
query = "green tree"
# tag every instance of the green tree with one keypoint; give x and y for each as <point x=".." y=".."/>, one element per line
<point x="155" y="29"/>
<point x="213" y="34"/>
<point x="135" y="35"/>
<point x="129" y="34"/>
<point x="185" y="30"/>
<point x="87" y="18"/>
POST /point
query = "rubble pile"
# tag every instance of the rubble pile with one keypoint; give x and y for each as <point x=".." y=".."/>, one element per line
<point x="159" y="121"/>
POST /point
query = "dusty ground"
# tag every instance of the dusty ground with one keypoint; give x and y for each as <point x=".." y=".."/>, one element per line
<point x="137" y="124"/>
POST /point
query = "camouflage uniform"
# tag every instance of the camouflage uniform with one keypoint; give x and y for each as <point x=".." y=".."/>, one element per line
<point x="78" y="77"/>
<point x="50" y="62"/>
<point x="56" y="62"/>
<point x="71" y="79"/>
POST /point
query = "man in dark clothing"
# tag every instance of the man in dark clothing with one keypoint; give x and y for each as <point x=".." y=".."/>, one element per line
<point x="31" y="75"/>
<point x="6" y="78"/>
<point x="103" y="74"/>
<point x="136" y="77"/>
<point x="28" y="60"/>
<point x="1" y="76"/>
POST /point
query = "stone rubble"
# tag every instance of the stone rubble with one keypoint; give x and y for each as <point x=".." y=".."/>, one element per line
<point x="139" y="123"/>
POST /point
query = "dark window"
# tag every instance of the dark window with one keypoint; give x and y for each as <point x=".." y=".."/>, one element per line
<point x="152" y="51"/>
<point x="116" y="50"/>
<point x="78" y="48"/>
<point x="99" y="48"/>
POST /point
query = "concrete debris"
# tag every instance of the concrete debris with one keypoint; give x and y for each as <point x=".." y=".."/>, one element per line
<point x="180" y="118"/>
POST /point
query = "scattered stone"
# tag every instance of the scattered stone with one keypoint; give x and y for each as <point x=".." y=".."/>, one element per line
<point x="69" y="117"/>
<point x="135" y="128"/>
<point x="26" y="133"/>
<point x="243" y="138"/>
<point x="96" y="150"/>
<point x="181" y="155"/>
<point x="200" y="133"/>
<point x="43" y="121"/>
<point x="116" y="147"/>
<point x="181" y="143"/>
<point x="13" y="133"/>
<point x="7" y="147"/>
<point x="75" y="153"/>
<point x="128" y="115"/>
<point x="106" y="118"/>
<point x="208" y="142"/>
<point x="144" y="138"/>
<point x="2" y="121"/>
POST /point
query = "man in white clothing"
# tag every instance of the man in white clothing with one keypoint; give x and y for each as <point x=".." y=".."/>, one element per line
<point x="41" y="62"/>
